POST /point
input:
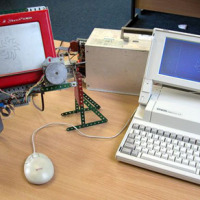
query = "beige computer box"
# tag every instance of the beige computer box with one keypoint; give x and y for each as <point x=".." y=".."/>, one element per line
<point x="113" y="64"/>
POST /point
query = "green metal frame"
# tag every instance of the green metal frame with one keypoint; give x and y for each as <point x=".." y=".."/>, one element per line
<point x="57" y="87"/>
<point x="91" y="105"/>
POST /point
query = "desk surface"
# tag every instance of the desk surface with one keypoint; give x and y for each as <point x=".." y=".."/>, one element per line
<point x="84" y="168"/>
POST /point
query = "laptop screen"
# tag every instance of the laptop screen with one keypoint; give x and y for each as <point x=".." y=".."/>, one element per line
<point x="174" y="59"/>
<point x="181" y="59"/>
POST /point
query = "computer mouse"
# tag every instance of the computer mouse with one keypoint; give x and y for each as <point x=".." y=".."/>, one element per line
<point x="38" y="168"/>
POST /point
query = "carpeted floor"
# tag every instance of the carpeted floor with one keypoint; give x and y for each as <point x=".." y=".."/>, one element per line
<point x="73" y="19"/>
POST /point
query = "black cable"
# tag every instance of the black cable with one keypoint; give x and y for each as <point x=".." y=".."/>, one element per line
<point x="42" y="101"/>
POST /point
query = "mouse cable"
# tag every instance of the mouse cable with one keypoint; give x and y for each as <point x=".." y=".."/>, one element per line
<point x="78" y="131"/>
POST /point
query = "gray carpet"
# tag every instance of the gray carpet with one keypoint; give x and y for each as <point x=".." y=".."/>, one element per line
<point x="73" y="19"/>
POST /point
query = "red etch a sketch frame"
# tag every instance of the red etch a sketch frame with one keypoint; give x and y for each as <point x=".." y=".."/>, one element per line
<point x="26" y="40"/>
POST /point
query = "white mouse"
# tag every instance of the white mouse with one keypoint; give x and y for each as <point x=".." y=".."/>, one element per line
<point x="38" y="168"/>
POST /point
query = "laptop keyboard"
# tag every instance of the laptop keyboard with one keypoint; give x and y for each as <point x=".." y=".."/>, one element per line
<point x="163" y="148"/>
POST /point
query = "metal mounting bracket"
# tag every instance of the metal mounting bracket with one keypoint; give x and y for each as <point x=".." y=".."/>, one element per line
<point x="82" y="99"/>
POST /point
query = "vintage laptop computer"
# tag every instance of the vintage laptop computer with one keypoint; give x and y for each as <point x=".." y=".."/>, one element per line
<point x="164" y="135"/>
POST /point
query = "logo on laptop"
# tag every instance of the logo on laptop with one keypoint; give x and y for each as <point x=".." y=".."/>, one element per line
<point x="8" y="48"/>
<point x="168" y="111"/>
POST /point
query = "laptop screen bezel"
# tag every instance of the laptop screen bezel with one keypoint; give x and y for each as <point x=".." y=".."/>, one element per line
<point x="155" y="59"/>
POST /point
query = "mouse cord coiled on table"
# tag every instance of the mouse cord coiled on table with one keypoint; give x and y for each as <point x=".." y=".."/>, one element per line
<point x="78" y="131"/>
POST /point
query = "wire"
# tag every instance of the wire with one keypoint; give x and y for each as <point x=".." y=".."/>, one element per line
<point x="11" y="95"/>
<point x="70" y="58"/>
<point x="78" y="131"/>
<point x="10" y="115"/>
<point x="31" y="88"/>
<point x="42" y="101"/>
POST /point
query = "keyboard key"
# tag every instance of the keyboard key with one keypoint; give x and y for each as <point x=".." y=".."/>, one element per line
<point x="158" y="154"/>
<point x="130" y="140"/>
<point x="138" y="137"/>
<point x="136" y="126"/>
<point x="170" y="152"/>
<point x="197" y="159"/>
<point x="151" y="152"/>
<point x="186" y="139"/>
<point x="198" y="142"/>
<point x="139" y="148"/>
<point x="143" y="144"/>
<point x="188" y="145"/>
<point x="192" y="163"/>
<point x="181" y="143"/>
<point x="176" y="148"/>
<point x="172" y="158"/>
<point x="136" y="132"/>
<point x="150" y="146"/>
<point x="135" y="153"/>
<point x="183" y="155"/>
<point x="178" y="160"/>
<point x="173" y="136"/>
<point x="137" y="143"/>
<point x="185" y="162"/>
<point x="149" y="135"/>
<point x="160" y="132"/>
<point x="155" y="137"/>
<point x="179" y="137"/>
<point x="183" y="150"/>
<point x="170" y="146"/>
<point x="166" y="134"/>
<point x="175" y="142"/>
<point x="141" y="127"/>
<point x="163" y="150"/>
<point x="165" y="156"/>
<point x="148" y="129"/>
<point x="162" y="138"/>
<point x="163" y="144"/>
<point x="195" y="147"/>
<point x="150" y="141"/>
<point x="131" y="135"/>
<point x="131" y="131"/>
<point x="154" y="130"/>
<point x="190" y="157"/>
<point x="168" y="140"/>
<point x="144" y="139"/>
<point x="157" y="143"/>
<point x="196" y="153"/>
<point x="177" y="153"/>
<point x="128" y="145"/>
<point x="198" y="165"/>
<point x="145" y="150"/>
<point x="126" y="150"/>
<point x="143" y="133"/>
<point x="156" y="148"/>
<point x="192" y="141"/>
<point x="190" y="151"/>
<point x="168" y="163"/>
